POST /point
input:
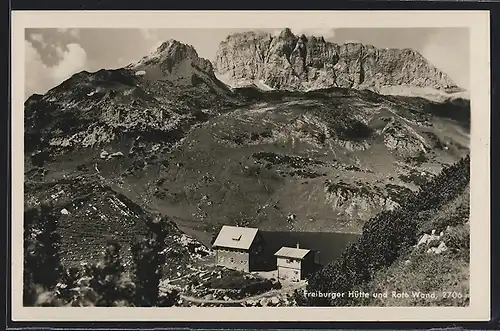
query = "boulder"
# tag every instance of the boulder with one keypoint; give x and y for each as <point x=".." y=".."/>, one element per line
<point x="441" y="248"/>
<point x="117" y="154"/>
<point x="423" y="239"/>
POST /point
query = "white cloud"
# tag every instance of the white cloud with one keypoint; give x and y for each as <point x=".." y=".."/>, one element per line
<point x="73" y="32"/>
<point x="39" y="77"/>
<point x="35" y="71"/>
<point x="155" y="46"/>
<point x="437" y="51"/>
<point x="37" y="37"/>
<point x="72" y="60"/>
<point x="152" y="38"/>
<point x="148" y="34"/>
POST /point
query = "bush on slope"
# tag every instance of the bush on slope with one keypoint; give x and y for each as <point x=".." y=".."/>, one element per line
<point x="387" y="236"/>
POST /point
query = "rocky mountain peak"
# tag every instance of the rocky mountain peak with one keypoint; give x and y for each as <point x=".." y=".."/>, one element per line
<point x="175" y="50"/>
<point x="171" y="43"/>
<point x="286" y="61"/>
<point x="286" y="33"/>
<point x="172" y="59"/>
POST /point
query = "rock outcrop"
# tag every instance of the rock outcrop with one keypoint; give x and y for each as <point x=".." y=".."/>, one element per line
<point x="291" y="62"/>
<point x="174" y="61"/>
<point x="358" y="200"/>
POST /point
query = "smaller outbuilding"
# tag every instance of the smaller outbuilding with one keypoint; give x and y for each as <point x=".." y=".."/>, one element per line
<point x="294" y="264"/>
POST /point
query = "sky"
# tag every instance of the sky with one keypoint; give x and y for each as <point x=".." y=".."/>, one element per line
<point x="53" y="55"/>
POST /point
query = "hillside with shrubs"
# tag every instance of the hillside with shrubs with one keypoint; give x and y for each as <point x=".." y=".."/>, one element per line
<point x="105" y="283"/>
<point x="421" y="246"/>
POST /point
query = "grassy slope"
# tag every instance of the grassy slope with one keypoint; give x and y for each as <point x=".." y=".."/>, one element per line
<point x="377" y="261"/>
<point x="416" y="270"/>
<point x="217" y="161"/>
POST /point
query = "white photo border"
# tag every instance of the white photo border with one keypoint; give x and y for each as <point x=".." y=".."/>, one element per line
<point x="476" y="21"/>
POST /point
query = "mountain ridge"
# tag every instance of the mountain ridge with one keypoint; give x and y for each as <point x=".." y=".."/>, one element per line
<point x="166" y="133"/>
<point x="167" y="89"/>
<point x="290" y="62"/>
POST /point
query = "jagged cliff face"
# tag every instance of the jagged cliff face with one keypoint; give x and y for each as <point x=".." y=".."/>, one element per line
<point x="291" y="62"/>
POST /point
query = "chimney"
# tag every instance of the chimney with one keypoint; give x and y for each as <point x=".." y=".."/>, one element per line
<point x="298" y="246"/>
<point x="317" y="257"/>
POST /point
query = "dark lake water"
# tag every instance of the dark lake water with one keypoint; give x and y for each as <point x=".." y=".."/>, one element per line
<point x="329" y="245"/>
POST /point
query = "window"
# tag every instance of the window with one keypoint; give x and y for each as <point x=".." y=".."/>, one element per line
<point x="289" y="260"/>
<point x="231" y="259"/>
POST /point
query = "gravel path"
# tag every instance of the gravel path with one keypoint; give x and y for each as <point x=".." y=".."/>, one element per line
<point x="288" y="288"/>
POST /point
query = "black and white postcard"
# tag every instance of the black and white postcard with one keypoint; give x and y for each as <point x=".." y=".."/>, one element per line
<point x="250" y="166"/>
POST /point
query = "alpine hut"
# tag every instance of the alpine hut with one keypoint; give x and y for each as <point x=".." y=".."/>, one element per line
<point x="238" y="248"/>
